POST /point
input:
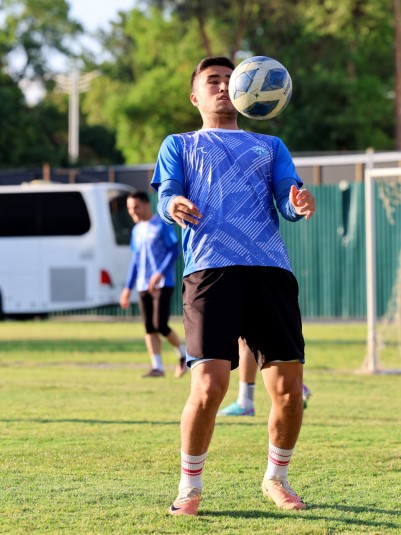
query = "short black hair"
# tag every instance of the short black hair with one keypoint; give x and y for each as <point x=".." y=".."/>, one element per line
<point x="140" y="195"/>
<point x="209" y="62"/>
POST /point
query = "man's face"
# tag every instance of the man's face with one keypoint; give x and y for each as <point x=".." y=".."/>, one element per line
<point x="138" y="210"/>
<point x="210" y="91"/>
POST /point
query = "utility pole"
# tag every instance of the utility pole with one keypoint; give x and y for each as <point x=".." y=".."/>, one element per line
<point x="397" y="58"/>
<point x="74" y="84"/>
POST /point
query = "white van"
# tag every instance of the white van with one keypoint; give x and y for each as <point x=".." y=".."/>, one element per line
<point x="62" y="247"/>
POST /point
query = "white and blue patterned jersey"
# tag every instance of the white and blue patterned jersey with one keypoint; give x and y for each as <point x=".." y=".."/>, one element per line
<point x="154" y="246"/>
<point x="233" y="177"/>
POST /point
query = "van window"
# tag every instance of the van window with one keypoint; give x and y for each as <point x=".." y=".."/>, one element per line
<point x="43" y="214"/>
<point x="121" y="220"/>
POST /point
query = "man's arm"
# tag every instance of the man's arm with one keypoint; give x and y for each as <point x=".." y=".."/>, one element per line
<point x="294" y="203"/>
<point x="129" y="283"/>
<point x="173" y="207"/>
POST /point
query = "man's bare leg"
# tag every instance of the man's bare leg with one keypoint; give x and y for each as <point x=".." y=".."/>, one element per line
<point x="209" y="383"/>
<point x="284" y="383"/>
<point x="154" y="347"/>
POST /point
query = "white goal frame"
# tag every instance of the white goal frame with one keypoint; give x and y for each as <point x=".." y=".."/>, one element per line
<point x="372" y="359"/>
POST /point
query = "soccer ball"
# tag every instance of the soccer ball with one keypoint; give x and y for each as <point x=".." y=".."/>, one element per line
<point x="260" y="87"/>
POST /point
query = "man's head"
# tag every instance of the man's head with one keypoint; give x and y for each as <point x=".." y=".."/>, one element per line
<point x="138" y="206"/>
<point x="209" y="92"/>
<point x="210" y="62"/>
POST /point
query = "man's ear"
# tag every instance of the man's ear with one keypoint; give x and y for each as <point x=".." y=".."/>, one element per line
<point x="194" y="99"/>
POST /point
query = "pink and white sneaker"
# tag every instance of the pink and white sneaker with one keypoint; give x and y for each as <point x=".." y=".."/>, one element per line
<point x="279" y="491"/>
<point x="187" y="502"/>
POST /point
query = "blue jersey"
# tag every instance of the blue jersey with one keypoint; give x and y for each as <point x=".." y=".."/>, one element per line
<point x="154" y="249"/>
<point x="233" y="177"/>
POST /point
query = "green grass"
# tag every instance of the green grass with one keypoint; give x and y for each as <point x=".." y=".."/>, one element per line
<point x="87" y="446"/>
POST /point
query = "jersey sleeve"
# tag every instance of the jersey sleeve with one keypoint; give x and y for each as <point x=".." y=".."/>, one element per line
<point x="284" y="176"/>
<point x="169" y="235"/>
<point x="283" y="165"/>
<point x="133" y="267"/>
<point x="169" y="165"/>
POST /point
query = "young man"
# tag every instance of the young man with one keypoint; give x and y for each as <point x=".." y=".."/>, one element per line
<point x="219" y="184"/>
<point x="154" y="252"/>
<point x="247" y="368"/>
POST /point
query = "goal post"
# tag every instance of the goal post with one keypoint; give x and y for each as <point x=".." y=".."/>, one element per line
<point x="390" y="201"/>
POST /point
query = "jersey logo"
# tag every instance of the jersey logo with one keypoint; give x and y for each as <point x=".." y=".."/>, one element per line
<point x="260" y="150"/>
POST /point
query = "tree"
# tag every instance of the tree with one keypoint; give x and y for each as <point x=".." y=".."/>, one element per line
<point x="37" y="29"/>
<point x="337" y="55"/>
<point x="149" y="102"/>
<point x="397" y="61"/>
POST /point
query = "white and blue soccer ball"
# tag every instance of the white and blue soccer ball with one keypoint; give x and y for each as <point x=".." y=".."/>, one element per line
<point x="260" y="87"/>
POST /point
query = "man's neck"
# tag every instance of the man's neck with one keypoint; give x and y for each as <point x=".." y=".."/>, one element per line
<point x="224" y="122"/>
<point x="146" y="218"/>
<point x="224" y="126"/>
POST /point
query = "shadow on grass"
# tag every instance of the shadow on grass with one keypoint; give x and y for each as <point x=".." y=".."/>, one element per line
<point x="146" y="422"/>
<point x="310" y="514"/>
<point x="101" y="422"/>
<point x="67" y="345"/>
<point x="88" y="422"/>
<point x="123" y="344"/>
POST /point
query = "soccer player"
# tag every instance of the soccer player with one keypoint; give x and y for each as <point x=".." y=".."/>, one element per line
<point x="247" y="368"/>
<point x="154" y="252"/>
<point x="221" y="185"/>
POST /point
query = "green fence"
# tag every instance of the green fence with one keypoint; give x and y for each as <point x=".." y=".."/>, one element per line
<point x="328" y="254"/>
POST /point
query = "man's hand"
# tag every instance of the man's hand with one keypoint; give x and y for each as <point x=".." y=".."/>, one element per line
<point x="125" y="298"/>
<point x="154" y="281"/>
<point x="303" y="202"/>
<point x="181" y="209"/>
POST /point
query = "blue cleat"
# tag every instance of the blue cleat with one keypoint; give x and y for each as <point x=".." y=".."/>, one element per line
<point x="236" y="410"/>
<point x="306" y="395"/>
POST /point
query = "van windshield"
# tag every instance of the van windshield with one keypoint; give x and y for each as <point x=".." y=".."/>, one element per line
<point x="43" y="213"/>
<point x="122" y="222"/>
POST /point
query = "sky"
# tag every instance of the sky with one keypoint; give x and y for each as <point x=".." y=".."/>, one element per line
<point x="94" y="14"/>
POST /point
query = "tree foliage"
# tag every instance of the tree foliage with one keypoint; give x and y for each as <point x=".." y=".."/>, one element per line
<point x="37" y="28"/>
<point x="339" y="56"/>
<point x="32" y="33"/>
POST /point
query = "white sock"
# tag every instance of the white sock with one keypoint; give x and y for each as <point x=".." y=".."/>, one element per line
<point x="181" y="351"/>
<point x="191" y="470"/>
<point x="245" y="395"/>
<point x="278" y="461"/>
<point x="157" y="363"/>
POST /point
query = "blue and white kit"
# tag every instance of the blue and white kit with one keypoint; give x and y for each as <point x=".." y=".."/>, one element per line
<point x="154" y="248"/>
<point x="232" y="176"/>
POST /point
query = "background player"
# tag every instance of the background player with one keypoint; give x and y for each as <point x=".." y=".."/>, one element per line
<point x="154" y="252"/>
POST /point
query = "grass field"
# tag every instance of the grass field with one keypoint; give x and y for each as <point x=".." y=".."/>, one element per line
<point x="87" y="446"/>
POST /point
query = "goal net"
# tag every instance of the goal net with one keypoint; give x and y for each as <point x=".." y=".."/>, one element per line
<point x="383" y="269"/>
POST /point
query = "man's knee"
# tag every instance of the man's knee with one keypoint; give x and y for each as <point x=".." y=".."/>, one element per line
<point x="164" y="330"/>
<point x="209" y="389"/>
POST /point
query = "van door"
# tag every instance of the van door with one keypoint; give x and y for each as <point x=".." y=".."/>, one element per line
<point x="21" y="276"/>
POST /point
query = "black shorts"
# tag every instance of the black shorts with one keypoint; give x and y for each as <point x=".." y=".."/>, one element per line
<point x="155" y="310"/>
<point x="259" y="304"/>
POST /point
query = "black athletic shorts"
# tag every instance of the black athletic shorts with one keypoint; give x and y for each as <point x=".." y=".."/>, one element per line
<point x="155" y="310"/>
<point x="259" y="304"/>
